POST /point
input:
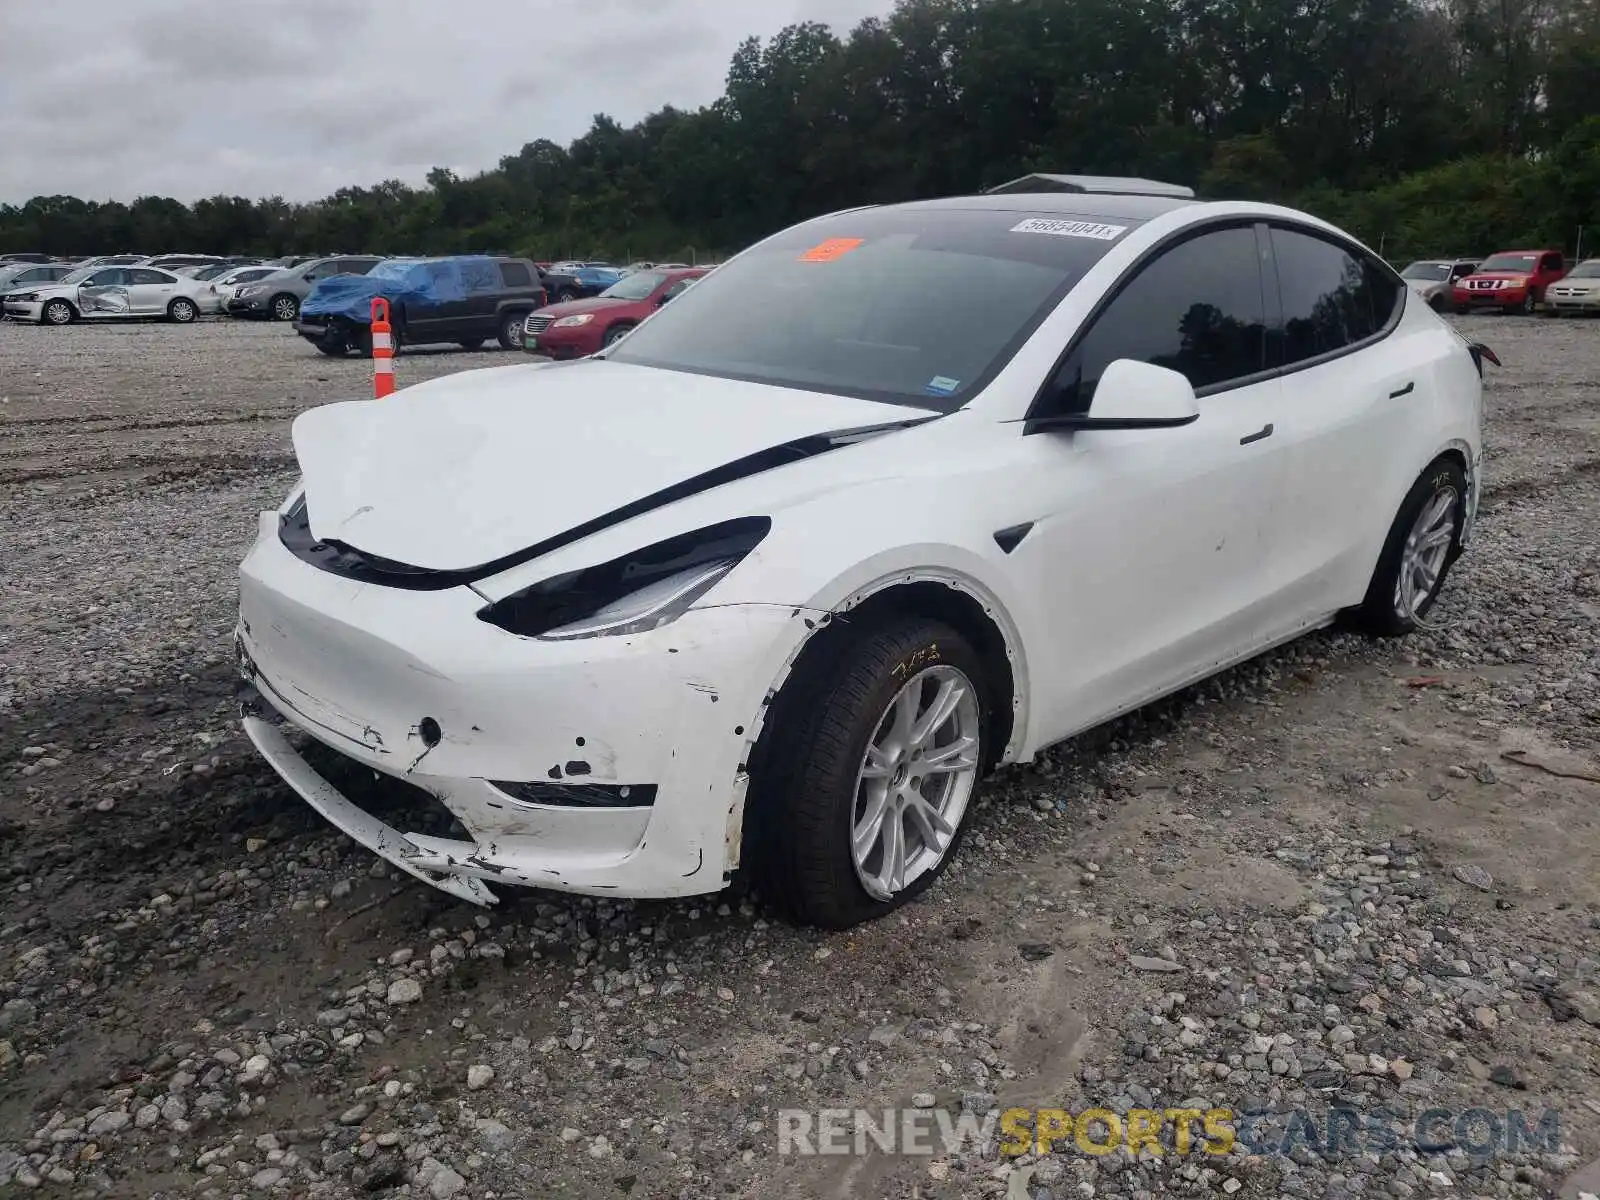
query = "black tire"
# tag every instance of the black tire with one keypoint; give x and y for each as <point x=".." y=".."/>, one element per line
<point x="182" y="311"/>
<point x="283" y="307"/>
<point x="803" y="774"/>
<point x="363" y="340"/>
<point x="1379" y="614"/>
<point x="1437" y="304"/>
<point x="510" y="334"/>
<point x="472" y="344"/>
<point x="1524" y="309"/>
<point x="57" y="312"/>
<point x="615" y="334"/>
<point x="333" y="349"/>
<point x="565" y="295"/>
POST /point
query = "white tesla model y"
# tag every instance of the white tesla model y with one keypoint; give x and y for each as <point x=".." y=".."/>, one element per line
<point x="893" y="497"/>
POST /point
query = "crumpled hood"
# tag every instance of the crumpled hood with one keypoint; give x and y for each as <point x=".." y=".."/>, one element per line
<point x="461" y="471"/>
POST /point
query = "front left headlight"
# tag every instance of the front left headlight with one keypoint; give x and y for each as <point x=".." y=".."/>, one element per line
<point x="23" y="297"/>
<point x="573" y="322"/>
<point x="638" y="592"/>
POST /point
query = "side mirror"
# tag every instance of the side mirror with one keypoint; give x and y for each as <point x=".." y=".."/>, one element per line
<point x="1132" y="395"/>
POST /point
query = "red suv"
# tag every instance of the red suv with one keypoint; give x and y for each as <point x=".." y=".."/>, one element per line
<point x="577" y="328"/>
<point x="1512" y="281"/>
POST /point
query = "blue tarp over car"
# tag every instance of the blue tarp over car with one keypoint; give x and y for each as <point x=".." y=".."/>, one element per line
<point x="412" y="282"/>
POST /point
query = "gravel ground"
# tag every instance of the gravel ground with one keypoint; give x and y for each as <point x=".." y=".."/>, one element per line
<point x="1345" y="875"/>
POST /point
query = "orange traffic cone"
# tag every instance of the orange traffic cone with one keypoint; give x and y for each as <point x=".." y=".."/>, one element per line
<point x="382" y="350"/>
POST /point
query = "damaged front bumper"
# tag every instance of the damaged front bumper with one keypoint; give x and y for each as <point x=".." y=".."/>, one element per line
<point x="412" y="685"/>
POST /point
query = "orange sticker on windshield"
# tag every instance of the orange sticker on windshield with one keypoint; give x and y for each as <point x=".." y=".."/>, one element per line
<point x="831" y="249"/>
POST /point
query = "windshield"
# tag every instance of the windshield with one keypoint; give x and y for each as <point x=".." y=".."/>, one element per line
<point x="1586" y="270"/>
<point x="635" y="287"/>
<point x="1427" y="270"/>
<point x="1509" y="262"/>
<point x="916" y="306"/>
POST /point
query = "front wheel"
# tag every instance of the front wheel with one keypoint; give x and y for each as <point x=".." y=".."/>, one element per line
<point x="866" y="771"/>
<point x="615" y="334"/>
<point x="57" y="312"/>
<point x="182" y="311"/>
<point x="284" y="308"/>
<point x="1422" y="545"/>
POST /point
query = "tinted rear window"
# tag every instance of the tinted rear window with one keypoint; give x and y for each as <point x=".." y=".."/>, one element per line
<point x="914" y="306"/>
<point x="515" y="275"/>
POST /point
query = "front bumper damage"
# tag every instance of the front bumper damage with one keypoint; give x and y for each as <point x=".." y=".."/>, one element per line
<point x="264" y="729"/>
<point x="413" y="686"/>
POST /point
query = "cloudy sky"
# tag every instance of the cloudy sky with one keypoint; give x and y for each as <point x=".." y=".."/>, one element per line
<point x="112" y="99"/>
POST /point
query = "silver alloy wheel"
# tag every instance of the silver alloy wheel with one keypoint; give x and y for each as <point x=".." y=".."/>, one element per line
<point x="1427" y="546"/>
<point x="58" y="312"/>
<point x="182" y="311"/>
<point x="915" y="781"/>
<point x="285" y="308"/>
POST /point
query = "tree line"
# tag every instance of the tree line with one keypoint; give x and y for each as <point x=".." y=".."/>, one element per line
<point x="1424" y="126"/>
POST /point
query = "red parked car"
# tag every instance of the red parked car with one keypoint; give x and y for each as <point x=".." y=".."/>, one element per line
<point x="1512" y="281"/>
<point x="578" y="328"/>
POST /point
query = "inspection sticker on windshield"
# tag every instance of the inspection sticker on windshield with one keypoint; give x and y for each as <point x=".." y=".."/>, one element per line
<point x="941" y="385"/>
<point x="1077" y="229"/>
<point x="831" y="249"/>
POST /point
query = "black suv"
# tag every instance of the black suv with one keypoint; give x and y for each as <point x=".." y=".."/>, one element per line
<point x="465" y="299"/>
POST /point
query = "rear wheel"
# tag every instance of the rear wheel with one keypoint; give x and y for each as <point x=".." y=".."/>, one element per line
<point x="284" y="308"/>
<point x="865" y="773"/>
<point x="565" y="294"/>
<point x="57" y="312"/>
<point x="1422" y="545"/>
<point x="510" y="335"/>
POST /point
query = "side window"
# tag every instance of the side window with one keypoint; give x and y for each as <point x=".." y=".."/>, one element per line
<point x="1552" y="262"/>
<point x="1196" y="309"/>
<point x="141" y="275"/>
<point x="1331" y="297"/>
<point x="37" y="275"/>
<point x="108" y="278"/>
<point x="1460" y="271"/>
<point x="357" y="266"/>
<point x="676" y="290"/>
<point x="322" y="271"/>
<point x="515" y="275"/>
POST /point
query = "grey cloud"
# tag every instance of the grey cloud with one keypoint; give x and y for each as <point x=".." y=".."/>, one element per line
<point x="110" y="99"/>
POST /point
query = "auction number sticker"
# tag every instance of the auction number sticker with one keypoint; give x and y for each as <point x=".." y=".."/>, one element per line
<point x="833" y="248"/>
<point x="1077" y="229"/>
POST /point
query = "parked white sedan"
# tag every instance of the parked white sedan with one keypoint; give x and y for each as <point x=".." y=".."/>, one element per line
<point x="113" y="293"/>
<point x="892" y="497"/>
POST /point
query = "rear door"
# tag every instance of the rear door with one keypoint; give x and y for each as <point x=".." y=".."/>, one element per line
<point x="1356" y="404"/>
<point x="150" y="290"/>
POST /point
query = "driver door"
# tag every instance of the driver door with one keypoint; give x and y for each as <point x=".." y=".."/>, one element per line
<point x="105" y="293"/>
<point x="1148" y="551"/>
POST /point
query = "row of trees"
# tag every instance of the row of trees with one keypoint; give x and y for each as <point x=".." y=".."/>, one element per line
<point x="1434" y="126"/>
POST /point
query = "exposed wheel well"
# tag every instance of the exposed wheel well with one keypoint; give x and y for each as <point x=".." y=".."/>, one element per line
<point x="964" y="613"/>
